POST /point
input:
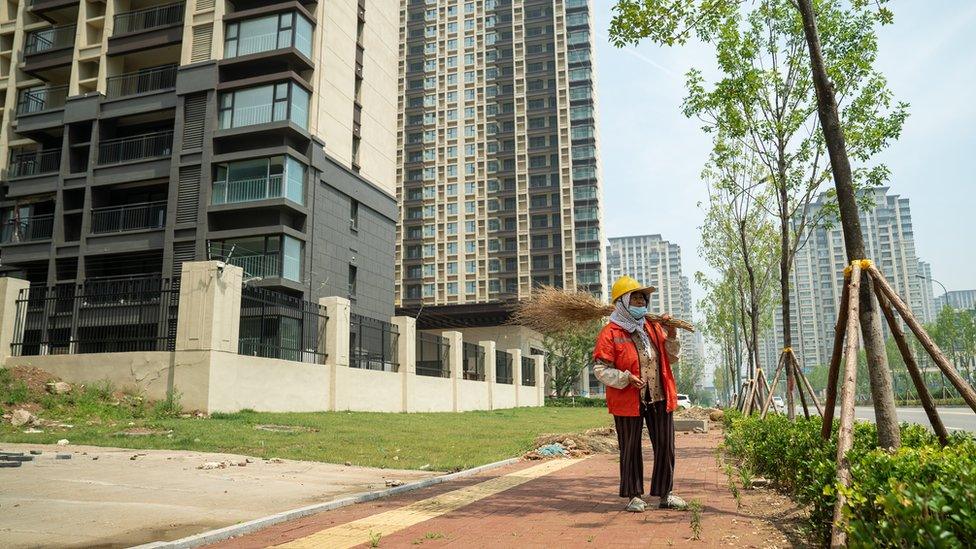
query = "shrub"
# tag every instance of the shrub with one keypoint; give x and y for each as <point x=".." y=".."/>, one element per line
<point x="920" y="495"/>
<point x="576" y="402"/>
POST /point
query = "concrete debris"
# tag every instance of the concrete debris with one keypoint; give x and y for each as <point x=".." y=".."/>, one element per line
<point x="425" y="467"/>
<point x="22" y="417"/>
<point x="135" y="456"/>
<point x="394" y="483"/>
<point x="248" y="460"/>
<point x="58" y="387"/>
<point x="62" y="456"/>
<point x="760" y="482"/>
<point x="9" y="464"/>
<point x="601" y="440"/>
<point x="698" y="430"/>
<point x="695" y="412"/>
<point x="32" y="431"/>
<point x="242" y="464"/>
<point x="35" y="452"/>
<point x="209" y="465"/>
<point x="63" y="442"/>
<point x="348" y="464"/>
<point x="276" y="460"/>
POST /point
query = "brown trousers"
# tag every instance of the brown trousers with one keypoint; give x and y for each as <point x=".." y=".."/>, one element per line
<point x="660" y="427"/>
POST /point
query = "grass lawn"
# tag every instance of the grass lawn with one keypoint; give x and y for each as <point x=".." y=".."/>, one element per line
<point x="445" y="441"/>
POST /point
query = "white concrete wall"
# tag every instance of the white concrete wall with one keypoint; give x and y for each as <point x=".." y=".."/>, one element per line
<point x="473" y="395"/>
<point x="368" y="390"/>
<point x="431" y="394"/>
<point x="503" y="396"/>
<point x="267" y="384"/>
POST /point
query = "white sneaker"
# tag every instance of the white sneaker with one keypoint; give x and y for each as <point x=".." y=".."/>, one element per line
<point x="672" y="501"/>
<point x="636" y="505"/>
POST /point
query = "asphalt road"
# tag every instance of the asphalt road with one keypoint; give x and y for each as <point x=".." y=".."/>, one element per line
<point x="954" y="418"/>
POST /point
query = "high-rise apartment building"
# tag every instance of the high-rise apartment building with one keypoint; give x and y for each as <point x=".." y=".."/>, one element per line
<point x="656" y="262"/>
<point x="498" y="173"/>
<point x="139" y="135"/>
<point x="957" y="299"/>
<point x="818" y="277"/>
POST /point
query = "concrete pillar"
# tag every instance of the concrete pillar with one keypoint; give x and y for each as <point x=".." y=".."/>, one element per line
<point x="584" y="381"/>
<point x="489" y="347"/>
<point x="455" y="361"/>
<point x="336" y="340"/>
<point x="516" y="355"/>
<point x="540" y="378"/>
<point x="10" y="330"/>
<point x="407" y="357"/>
<point x="210" y="307"/>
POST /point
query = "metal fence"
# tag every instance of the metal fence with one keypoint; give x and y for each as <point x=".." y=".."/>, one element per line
<point x="41" y="99"/>
<point x="129" y="217"/>
<point x="528" y="371"/>
<point x="373" y="344"/>
<point x="141" y="81"/>
<point x="28" y="229"/>
<point x="473" y="360"/>
<point x="503" y="368"/>
<point x="99" y="316"/>
<point x="124" y="149"/>
<point x="432" y="358"/>
<point x="50" y="39"/>
<point x="28" y="163"/>
<point x="276" y="325"/>
<point x="148" y="18"/>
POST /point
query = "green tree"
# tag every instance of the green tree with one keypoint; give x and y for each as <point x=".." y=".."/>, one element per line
<point x="568" y="353"/>
<point x="672" y="22"/>
<point x="688" y="378"/>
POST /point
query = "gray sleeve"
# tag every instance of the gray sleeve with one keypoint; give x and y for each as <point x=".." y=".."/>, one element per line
<point x="673" y="348"/>
<point x="610" y="376"/>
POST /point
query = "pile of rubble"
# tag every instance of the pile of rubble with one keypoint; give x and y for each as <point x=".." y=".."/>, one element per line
<point x="697" y="412"/>
<point x="602" y="440"/>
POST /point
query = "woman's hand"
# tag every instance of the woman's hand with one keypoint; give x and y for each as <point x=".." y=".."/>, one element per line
<point x="672" y="331"/>
<point x="636" y="381"/>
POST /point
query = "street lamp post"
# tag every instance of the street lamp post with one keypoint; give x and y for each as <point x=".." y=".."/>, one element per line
<point x="945" y="303"/>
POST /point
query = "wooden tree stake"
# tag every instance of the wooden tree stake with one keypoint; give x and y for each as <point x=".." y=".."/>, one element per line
<point x="806" y="383"/>
<point x="913" y="370"/>
<point x="845" y="434"/>
<point x="964" y="388"/>
<point x="794" y="367"/>
<point x="833" y="372"/>
<point x="769" y="397"/>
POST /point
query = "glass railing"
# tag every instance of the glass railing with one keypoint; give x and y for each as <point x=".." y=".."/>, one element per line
<point x="53" y="38"/>
<point x="129" y="217"/>
<point x="38" y="227"/>
<point x="41" y="99"/>
<point x="124" y="149"/>
<point x="148" y="18"/>
<point x="247" y="190"/>
<point x="142" y="81"/>
<point x="262" y="265"/>
<point x="24" y="164"/>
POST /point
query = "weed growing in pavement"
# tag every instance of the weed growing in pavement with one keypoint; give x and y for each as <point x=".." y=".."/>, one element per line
<point x="428" y="536"/>
<point x="670" y="542"/>
<point x="374" y="539"/>
<point x="745" y="476"/>
<point x="730" y="473"/>
<point x="696" y="512"/>
<point x="589" y="539"/>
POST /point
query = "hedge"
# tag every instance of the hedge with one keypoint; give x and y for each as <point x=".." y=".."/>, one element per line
<point x="576" y="402"/>
<point x="921" y="495"/>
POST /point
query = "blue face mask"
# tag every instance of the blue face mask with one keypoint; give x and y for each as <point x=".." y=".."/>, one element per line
<point x="637" y="312"/>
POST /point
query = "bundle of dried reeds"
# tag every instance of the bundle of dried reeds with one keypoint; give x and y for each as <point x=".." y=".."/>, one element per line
<point x="552" y="310"/>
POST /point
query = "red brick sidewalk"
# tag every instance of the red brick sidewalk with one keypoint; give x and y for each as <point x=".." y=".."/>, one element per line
<point x="576" y="506"/>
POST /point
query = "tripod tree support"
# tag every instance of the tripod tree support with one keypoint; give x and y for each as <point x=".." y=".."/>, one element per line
<point x="964" y="388"/>
<point x="769" y="397"/>
<point x="806" y="383"/>
<point x="834" y="370"/>
<point x="794" y="368"/>
<point x="913" y="370"/>
<point x="845" y="434"/>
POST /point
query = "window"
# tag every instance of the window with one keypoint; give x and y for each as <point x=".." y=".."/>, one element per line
<point x="354" y="214"/>
<point x="269" y="33"/>
<point x="470" y="226"/>
<point x="451" y="267"/>
<point x="271" y="103"/>
<point x="452" y="288"/>
<point x="470" y="267"/>
<point x="470" y="246"/>
<point x="352" y="281"/>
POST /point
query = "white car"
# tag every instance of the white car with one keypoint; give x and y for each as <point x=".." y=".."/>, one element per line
<point x="778" y="404"/>
<point x="683" y="401"/>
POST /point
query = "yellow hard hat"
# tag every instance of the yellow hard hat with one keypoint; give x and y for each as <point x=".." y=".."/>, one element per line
<point x="626" y="284"/>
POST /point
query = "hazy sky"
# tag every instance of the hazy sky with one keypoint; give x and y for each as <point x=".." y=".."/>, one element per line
<point x="652" y="155"/>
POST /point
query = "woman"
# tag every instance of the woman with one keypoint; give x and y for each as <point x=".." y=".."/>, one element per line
<point x="633" y="358"/>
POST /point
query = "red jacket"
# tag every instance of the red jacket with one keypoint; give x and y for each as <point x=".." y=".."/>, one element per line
<point x="615" y="346"/>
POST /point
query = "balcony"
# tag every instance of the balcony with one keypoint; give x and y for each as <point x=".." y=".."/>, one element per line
<point x="27" y="164"/>
<point x="262" y="105"/>
<point x="129" y="217"/>
<point x="54" y="38"/>
<point x="141" y="81"/>
<point x="247" y="190"/>
<point x="41" y="99"/>
<point x="32" y="229"/>
<point x="147" y="19"/>
<point x="138" y="147"/>
<point x="273" y="256"/>
<point x="260" y="179"/>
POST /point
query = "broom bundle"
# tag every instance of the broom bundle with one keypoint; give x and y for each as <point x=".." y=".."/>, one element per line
<point x="552" y="310"/>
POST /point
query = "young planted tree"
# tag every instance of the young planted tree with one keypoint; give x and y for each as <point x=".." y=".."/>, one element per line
<point x="720" y="311"/>
<point x="568" y="353"/>
<point x="764" y="100"/>
<point x="672" y="22"/>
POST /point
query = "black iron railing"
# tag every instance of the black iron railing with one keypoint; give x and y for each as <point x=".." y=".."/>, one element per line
<point x="129" y="217"/>
<point x="528" y="371"/>
<point x="141" y="81"/>
<point x="503" y="368"/>
<point x="41" y="99"/>
<point x="474" y="361"/>
<point x="148" y="18"/>
<point x="276" y="325"/>
<point x="37" y="227"/>
<point x="99" y="316"/>
<point x="432" y="358"/>
<point x="54" y="38"/>
<point x="25" y="164"/>
<point x="138" y="147"/>
<point x="373" y="344"/>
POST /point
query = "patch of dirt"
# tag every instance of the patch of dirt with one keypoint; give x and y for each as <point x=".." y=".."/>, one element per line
<point x="285" y="428"/>
<point x="601" y="440"/>
<point x="35" y="378"/>
<point x="141" y="432"/>
<point x="777" y="519"/>
<point x="695" y="412"/>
